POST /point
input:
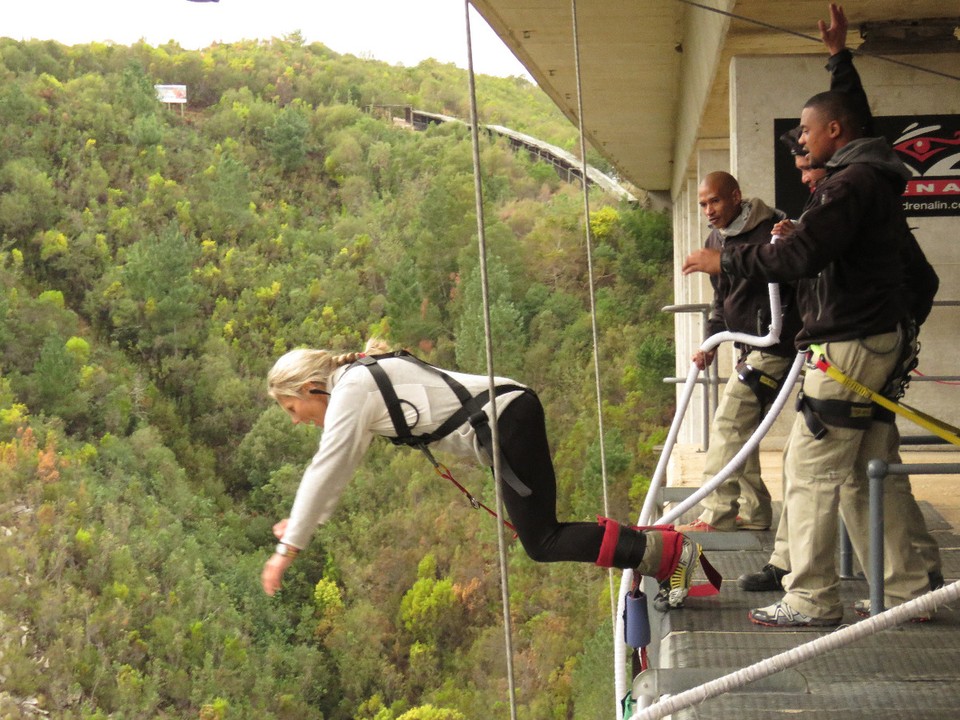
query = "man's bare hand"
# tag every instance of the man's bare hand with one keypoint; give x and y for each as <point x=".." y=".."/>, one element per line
<point x="783" y="229"/>
<point x="702" y="359"/>
<point x="705" y="260"/>
<point x="835" y="36"/>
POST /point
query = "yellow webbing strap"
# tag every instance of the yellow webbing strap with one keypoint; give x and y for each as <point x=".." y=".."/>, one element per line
<point x="937" y="427"/>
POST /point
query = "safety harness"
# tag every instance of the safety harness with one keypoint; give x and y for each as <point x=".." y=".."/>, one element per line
<point x="471" y="411"/>
<point x="879" y="408"/>
<point x="764" y="385"/>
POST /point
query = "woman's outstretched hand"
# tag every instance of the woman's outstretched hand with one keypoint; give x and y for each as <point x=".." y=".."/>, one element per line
<point x="272" y="576"/>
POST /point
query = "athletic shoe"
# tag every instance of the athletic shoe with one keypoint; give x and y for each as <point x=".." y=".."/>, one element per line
<point x="697" y="526"/>
<point x="768" y="579"/>
<point x="936" y="579"/>
<point x="862" y="609"/>
<point x="782" y="615"/>
<point x="673" y="589"/>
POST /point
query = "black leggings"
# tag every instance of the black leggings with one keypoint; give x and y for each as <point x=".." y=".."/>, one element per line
<point x="523" y="442"/>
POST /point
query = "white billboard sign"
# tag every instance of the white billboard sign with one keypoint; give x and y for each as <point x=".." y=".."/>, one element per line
<point x="171" y="93"/>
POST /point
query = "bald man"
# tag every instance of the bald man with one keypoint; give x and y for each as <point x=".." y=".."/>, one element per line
<point x="742" y="502"/>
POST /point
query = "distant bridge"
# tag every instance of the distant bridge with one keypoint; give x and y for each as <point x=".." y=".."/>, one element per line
<point x="567" y="165"/>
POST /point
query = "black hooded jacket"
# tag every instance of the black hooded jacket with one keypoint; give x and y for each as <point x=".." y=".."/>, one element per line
<point x="743" y="304"/>
<point x="857" y="268"/>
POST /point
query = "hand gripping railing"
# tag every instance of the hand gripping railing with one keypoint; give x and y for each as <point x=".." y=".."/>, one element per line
<point x="771" y="338"/>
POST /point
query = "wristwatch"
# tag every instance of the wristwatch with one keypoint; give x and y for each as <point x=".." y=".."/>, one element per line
<point x="286" y="550"/>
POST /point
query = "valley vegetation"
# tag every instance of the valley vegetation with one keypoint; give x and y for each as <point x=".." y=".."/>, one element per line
<point x="153" y="267"/>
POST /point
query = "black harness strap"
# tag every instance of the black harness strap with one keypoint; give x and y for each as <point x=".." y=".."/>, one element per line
<point x="471" y="410"/>
<point x="393" y="403"/>
<point x="764" y="385"/>
<point x="818" y="414"/>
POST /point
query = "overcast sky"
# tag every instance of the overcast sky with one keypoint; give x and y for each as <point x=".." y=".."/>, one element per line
<point x="391" y="30"/>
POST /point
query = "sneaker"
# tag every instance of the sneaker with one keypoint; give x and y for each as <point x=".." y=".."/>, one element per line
<point x="782" y="615"/>
<point x="747" y="525"/>
<point x="697" y="526"/>
<point x="936" y="579"/>
<point x="768" y="579"/>
<point x="674" y="589"/>
<point x="862" y="609"/>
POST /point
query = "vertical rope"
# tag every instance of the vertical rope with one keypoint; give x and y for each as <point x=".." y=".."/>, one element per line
<point x="484" y="284"/>
<point x="593" y="306"/>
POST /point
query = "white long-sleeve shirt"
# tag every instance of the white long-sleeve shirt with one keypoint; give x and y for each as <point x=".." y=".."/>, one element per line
<point x="356" y="413"/>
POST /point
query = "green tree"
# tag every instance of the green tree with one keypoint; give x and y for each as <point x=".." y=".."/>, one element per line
<point x="152" y="268"/>
<point x="158" y="295"/>
<point x="429" y="712"/>
<point x="506" y="326"/>
<point x="27" y="199"/>
<point x="287" y="138"/>
<point x="429" y="609"/>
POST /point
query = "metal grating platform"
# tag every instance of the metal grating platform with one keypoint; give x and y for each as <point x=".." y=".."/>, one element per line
<point x="909" y="672"/>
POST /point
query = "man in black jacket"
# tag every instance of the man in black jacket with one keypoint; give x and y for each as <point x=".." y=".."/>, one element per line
<point x="742" y="305"/>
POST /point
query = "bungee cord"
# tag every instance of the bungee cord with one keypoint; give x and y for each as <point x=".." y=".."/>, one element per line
<point x="771" y="338"/>
<point x="737" y="460"/>
<point x="805" y="36"/>
<point x="488" y="339"/>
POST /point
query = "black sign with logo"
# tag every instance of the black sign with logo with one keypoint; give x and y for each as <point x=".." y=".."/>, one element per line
<point x="928" y="144"/>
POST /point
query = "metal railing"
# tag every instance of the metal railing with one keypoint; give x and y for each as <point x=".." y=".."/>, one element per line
<point x="877" y="471"/>
<point x="711" y="376"/>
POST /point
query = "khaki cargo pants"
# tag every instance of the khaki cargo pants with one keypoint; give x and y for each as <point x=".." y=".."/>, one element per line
<point x="820" y="474"/>
<point x="738" y="415"/>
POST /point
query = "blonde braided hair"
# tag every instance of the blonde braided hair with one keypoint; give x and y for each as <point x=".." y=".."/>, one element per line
<point x="295" y="369"/>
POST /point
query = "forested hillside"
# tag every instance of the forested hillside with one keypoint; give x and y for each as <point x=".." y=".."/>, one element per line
<point x="154" y="265"/>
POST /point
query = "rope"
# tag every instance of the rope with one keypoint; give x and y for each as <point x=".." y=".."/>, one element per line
<point x="588" y="237"/>
<point x="740" y="458"/>
<point x="445" y="473"/>
<point x="676" y="511"/>
<point x="771" y="338"/>
<point x="923" y="605"/>
<point x="795" y="33"/>
<point x="495" y="451"/>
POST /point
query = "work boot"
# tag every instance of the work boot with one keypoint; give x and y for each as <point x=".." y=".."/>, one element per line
<point x="750" y="525"/>
<point x="768" y="579"/>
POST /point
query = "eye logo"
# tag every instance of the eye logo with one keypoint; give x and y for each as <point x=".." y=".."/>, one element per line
<point x="926" y="150"/>
<point x="929" y="145"/>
